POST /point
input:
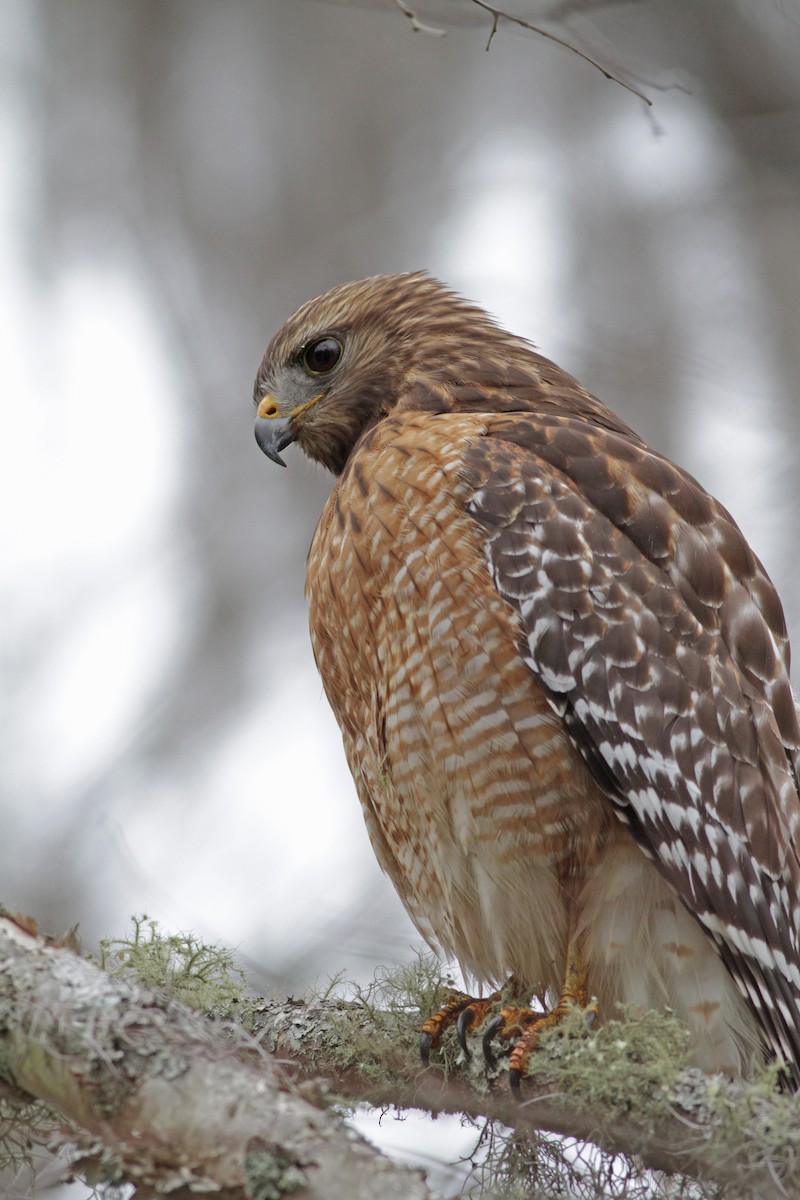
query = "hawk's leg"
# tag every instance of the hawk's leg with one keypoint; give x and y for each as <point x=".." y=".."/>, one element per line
<point x="466" y="1012"/>
<point x="527" y="1025"/>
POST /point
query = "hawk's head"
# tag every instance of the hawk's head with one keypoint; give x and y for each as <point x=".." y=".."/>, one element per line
<point x="345" y="359"/>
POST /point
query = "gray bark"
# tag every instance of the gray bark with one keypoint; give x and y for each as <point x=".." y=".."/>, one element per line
<point x="176" y="1099"/>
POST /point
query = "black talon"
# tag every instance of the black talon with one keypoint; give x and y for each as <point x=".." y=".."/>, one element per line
<point x="425" y="1045"/>
<point x="514" y="1079"/>
<point x="463" y="1024"/>
<point x="491" y="1029"/>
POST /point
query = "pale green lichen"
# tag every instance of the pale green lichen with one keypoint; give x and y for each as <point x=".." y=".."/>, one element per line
<point x="203" y="976"/>
<point x="510" y="1165"/>
<point x="25" y="1126"/>
<point x="626" y="1065"/>
<point x="377" y="1029"/>
<point x="272" y="1171"/>
<point x="756" y="1124"/>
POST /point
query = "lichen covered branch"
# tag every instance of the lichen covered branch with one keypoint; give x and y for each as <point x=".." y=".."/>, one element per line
<point x="174" y="1100"/>
<point x="624" y="1088"/>
<point x="237" y="1100"/>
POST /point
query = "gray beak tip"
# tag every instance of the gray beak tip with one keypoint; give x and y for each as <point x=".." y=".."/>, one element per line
<point x="273" y="434"/>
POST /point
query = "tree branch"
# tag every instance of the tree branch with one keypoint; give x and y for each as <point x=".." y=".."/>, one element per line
<point x="704" y="1127"/>
<point x="157" y="1094"/>
<point x="499" y="15"/>
<point x="179" y="1102"/>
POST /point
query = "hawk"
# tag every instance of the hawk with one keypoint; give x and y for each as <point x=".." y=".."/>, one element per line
<point x="560" y="673"/>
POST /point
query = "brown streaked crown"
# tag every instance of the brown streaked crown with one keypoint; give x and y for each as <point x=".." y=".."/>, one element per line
<point x="410" y="342"/>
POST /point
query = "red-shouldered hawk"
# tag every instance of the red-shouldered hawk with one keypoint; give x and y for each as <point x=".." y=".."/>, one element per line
<point x="561" y="674"/>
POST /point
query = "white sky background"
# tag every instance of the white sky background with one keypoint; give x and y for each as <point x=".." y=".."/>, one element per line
<point x="96" y="577"/>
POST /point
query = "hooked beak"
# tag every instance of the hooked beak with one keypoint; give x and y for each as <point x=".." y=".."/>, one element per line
<point x="273" y="431"/>
<point x="274" y="434"/>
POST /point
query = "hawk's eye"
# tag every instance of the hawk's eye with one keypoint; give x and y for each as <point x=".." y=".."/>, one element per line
<point x="322" y="356"/>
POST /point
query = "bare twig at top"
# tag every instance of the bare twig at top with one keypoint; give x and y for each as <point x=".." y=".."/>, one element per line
<point x="499" y="15"/>
<point x="417" y="25"/>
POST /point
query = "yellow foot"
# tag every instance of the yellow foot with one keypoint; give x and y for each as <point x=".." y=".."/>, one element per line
<point x="465" y="1012"/>
<point x="527" y="1026"/>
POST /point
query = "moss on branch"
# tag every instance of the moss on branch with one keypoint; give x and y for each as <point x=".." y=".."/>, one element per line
<point x="615" y="1102"/>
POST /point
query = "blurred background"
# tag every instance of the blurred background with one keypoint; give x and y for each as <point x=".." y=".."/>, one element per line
<point x="176" y="176"/>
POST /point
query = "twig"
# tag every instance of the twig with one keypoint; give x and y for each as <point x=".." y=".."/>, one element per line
<point x="499" y="15"/>
<point x="417" y="25"/>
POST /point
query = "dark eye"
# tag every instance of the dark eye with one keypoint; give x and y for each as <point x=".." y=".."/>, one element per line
<point x="322" y="356"/>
